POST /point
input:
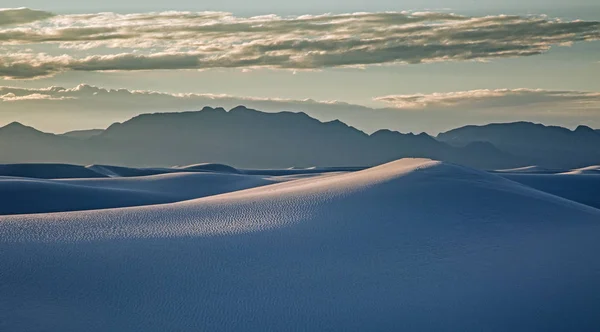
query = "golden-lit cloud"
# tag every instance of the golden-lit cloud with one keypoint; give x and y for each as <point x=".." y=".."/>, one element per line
<point x="187" y="40"/>
<point x="484" y="98"/>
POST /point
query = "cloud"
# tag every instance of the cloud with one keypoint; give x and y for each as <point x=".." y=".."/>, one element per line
<point x="22" y="15"/>
<point x="34" y="96"/>
<point x="495" y="98"/>
<point x="86" y="97"/>
<point x="85" y="92"/>
<point x="186" y="40"/>
<point x="472" y="100"/>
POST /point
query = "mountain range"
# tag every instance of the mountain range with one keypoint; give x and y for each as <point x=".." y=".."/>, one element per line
<point x="249" y="138"/>
<point x="534" y="144"/>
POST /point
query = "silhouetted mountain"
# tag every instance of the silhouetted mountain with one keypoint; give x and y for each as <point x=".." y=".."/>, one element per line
<point x="17" y="129"/>
<point x="19" y="143"/>
<point x="546" y="146"/>
<point x="241" y="137"/>
<point x="83" y="134"/>
<point x="248" y="138"/>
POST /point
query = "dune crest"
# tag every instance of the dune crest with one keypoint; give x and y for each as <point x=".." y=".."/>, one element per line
<point x="415" y="243"/>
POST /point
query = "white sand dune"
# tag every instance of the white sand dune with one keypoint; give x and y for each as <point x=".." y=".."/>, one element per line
<point x="527" y="169"/>
<point x="210" y="167"/>
<point x="121" y="171"/>
<point x="69" y="171"/>
<point x="410" y="245"/>
<point x="594" y="170"/>
<point x="300" y="171"/>
<point x="582" y="187"/>
<point x="48" y="171"/>
<point x="25" y="195"/>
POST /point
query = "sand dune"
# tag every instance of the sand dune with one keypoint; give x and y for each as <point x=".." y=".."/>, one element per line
<point x="410" y="245"/>
<point x="120" y="171"/>
<point x="527" y="169"/>
<point x="48" y="171"/>
<point x="582" y="187"/>
<point x="586" y="170"/>
<point x="43" y="188"/>
<point x="23" y="195"/>
<point x="210" y="167"/>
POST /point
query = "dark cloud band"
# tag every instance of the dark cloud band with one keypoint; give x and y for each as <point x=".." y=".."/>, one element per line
<point x="182" y="40"/>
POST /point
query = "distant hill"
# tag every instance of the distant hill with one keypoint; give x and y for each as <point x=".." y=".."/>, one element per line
<point x="23" y="144"/>
<point x="249" y="138"/>
<point x="83" y="134"/>
<point x="544" y="146"/>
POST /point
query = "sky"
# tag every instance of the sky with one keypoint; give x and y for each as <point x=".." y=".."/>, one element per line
<point x="412" y="66"/>
<point x="294" y="7"/>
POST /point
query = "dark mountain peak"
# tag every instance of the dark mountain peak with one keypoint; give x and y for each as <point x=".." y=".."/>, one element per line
<point x="300" y="114"/>
<point x="391" y="133"/>
<point x="113" y="126"/>
<point x="335" y="123"/>
<point x="211" y="109"/>
<point x="522" y="123"/>
<point x="342" y="126"/>
<point x="385" y="132"/>
<point x="584" y="129"/>
<point x="17" y="127"/>
<point x="242" y="108"/>
<point x="517" y="123"/>
<point x="14" y="124"/>
<point x="284" y="117"/>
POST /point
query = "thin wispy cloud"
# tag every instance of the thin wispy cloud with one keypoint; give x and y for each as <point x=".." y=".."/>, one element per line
<point x="187" y="40"/>
<point x="11" y="97"/>
<point x="486" y="98"/>
<point x="472" y="99"/>
<point x="87" y="92"/>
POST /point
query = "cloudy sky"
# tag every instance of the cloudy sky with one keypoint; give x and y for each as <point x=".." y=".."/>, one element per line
<point x="403" y="65"/>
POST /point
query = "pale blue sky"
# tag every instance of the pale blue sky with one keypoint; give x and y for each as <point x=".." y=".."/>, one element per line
<point x="300" y="7"/>
<point x="576" y="67"/>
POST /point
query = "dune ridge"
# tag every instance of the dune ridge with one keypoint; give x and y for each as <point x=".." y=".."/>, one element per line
<point x="413" y="244"/>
